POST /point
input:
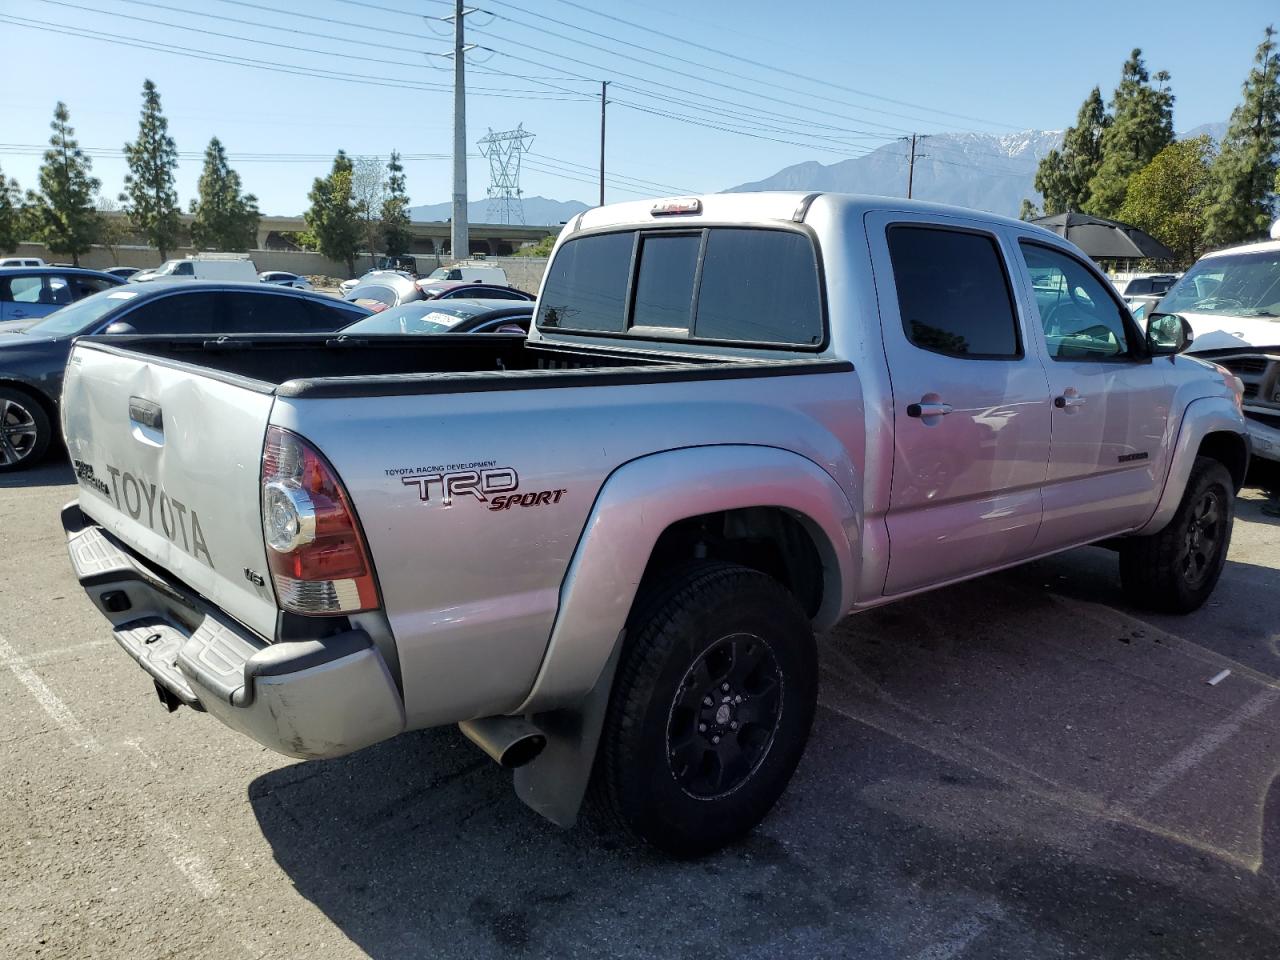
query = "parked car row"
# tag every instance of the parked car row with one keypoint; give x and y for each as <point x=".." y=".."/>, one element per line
<point x="386" y="289"/>
<point x="43" y="309"/>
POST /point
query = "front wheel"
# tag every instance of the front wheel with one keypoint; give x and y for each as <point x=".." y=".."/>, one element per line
<point x="1175" y="570"/>
<point x="25" y="431"/>
<point x="710" y="711"/>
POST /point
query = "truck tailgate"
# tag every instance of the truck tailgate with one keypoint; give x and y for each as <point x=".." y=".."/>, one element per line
<point x="169" y="463"/>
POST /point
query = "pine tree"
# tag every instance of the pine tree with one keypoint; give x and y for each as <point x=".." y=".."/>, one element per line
<point x="1167" y="198"/>
<point x="11" y="214"/>
<point x="1063" y="175"/>
<point x="396" y="234"/>
<point x="63" y="211"/>
<point x="223" y="217"/>
<point x="333" y="218"/>
<point x="1245" y="175"/>
<point x="149" y="196"/>
<point x="1141" y="126"/>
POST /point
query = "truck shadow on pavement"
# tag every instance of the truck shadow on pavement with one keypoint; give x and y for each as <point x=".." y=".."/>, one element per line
<point x="996" y="770"/>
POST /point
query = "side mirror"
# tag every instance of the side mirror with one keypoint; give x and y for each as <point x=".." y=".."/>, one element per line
<point x="1168" y="333"/>
<point x="119" y="328"/>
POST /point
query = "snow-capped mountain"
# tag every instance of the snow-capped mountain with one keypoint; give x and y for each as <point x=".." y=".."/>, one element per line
<point x="979" y="170"/>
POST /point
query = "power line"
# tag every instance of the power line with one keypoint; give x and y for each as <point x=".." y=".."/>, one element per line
<point x="768" y="66"/>
<point x="684" y="118"/>
<point x="235" y="60"/>
<point x="294" y="48"/>
<point x="685" y="60"/>
<point x="613" y="71"/>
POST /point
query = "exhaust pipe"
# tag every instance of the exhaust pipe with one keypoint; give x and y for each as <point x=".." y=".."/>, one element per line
<point x="510" y="741"/>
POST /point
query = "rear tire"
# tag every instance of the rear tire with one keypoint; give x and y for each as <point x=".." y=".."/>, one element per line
<point x="1175" y="570"/>
<point x="25" y="431"/>
<point x="710" y="710"/>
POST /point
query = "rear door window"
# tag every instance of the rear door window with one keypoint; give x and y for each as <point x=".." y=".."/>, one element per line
<point x="953" y="293"/>
<point x="23" y="289"/>
<point x="264" y="313"/>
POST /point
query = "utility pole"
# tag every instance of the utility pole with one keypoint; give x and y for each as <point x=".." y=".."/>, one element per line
<point x="911" y="163"/>
<point x="460" y="232"/>
<point x="604" y="85"/>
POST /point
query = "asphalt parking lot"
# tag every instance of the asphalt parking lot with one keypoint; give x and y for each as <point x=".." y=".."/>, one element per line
<point x="1019" y="767"/>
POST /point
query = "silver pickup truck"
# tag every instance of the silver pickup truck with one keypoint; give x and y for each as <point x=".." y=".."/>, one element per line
<point x="605" y="551"/>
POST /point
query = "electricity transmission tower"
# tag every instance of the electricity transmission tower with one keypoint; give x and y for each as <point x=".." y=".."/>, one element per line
<point x="503" y="151"/>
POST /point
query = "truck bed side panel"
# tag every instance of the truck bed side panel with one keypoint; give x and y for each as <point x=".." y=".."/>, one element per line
<point x="469" y="581"/>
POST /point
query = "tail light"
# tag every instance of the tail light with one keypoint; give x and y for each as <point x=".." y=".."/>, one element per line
<point x="318" y="560"/>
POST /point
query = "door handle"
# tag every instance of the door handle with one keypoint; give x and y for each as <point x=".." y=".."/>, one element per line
<point x="147" y="413"/>
<point x="1068" y="402"/>
<point x="19" y="314"/>
<point x="925" y="408"/>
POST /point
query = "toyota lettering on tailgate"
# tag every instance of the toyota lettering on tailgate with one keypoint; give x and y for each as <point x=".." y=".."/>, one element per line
<point x="147" y="502"/>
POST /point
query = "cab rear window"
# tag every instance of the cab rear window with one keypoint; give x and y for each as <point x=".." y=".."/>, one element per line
<point x="719" y="284"/>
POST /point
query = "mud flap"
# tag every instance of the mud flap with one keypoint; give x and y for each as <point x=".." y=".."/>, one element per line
<point x="555" y="783"/>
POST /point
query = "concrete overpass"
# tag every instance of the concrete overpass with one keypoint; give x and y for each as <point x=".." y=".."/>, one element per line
<point x="494" y="239"/>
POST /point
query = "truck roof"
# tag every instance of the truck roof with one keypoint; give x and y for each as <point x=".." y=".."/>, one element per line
<point x="790" y="205"/>
<point x="1262" y="246"/>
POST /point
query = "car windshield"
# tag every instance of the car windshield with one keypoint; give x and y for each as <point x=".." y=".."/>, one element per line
<point x="442" y="273"/>
<point x="1240" y="285"/>
<point x="418" y="317"/>
<point x="83" y="314"/>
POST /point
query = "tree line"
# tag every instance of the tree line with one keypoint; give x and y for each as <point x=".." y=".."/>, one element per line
<point x="1121" y="161"/>
<point x="360" y="205"/>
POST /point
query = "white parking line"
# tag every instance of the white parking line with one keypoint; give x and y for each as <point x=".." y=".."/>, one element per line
<point x="1199" y="750"/>
<point x="53" y="653"/>
<point x="53" y="706"/>
<point x="955" y="939"/>
<point x="190" y="865"/>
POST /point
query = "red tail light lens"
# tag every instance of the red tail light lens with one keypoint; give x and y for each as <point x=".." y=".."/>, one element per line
<point x="318" y="560"/>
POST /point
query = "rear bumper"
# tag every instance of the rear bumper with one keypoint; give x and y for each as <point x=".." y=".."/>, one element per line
<point x="309" y="698"/>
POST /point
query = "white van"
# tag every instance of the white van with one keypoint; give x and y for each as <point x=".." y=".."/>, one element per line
<point x="22" y="262"/>
<point x="470" y="274"/>
<point x="203" y="267"/>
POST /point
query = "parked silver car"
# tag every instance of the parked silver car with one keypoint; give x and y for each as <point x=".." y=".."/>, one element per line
<point x="282" y="278"/>
<point x="383" y="289"/>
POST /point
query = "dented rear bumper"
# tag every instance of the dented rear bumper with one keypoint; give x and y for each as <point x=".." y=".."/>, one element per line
<point x="306" y="698"/>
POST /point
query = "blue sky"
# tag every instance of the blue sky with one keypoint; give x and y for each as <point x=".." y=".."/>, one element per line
<point x="859" y="74"/>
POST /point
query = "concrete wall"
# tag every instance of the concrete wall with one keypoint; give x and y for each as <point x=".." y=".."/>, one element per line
<point x="522" y="272"/>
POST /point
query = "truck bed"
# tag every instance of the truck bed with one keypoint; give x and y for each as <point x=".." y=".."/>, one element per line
<point x="299" y="365"/>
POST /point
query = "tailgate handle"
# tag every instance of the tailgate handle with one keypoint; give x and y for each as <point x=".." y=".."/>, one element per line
<point x="145" y="412"/>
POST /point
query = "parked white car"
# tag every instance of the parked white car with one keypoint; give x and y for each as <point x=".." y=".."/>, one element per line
<point x="22" y="262"/>
<point x="282" y="278"/>
<point x="1232" y="300"/>
<point x="471" y="273"/>
<point x="204" y="267"/>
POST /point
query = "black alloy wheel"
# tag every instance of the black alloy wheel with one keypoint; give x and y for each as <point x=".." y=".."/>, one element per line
<point x="724" y="716"/>
<point x="24" y="430"/>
